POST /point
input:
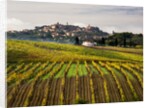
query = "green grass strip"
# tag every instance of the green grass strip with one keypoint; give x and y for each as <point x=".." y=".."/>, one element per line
<point x="72" y="71"/>
<point x="60" y="74"/>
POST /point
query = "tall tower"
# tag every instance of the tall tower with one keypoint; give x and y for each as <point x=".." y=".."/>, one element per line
<point x="89" y="26"/>
<point x="67" y="23"/>
<point x="57" y="23"/>
<point x="113" y="32"/>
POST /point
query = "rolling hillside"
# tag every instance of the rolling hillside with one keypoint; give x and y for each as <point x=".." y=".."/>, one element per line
<point x="40" y="51"/>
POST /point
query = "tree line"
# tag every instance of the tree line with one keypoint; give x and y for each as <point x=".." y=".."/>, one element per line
<point x="124" y="39"/>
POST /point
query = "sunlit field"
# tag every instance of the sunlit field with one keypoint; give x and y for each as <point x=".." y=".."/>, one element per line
<point x="46" y="73"/>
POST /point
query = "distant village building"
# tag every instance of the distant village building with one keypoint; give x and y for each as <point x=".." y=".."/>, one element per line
<point x="88" y="43"/>
<point x="68" y="33"/>
<point x="45" y="29"/>
<point x="53" y="35"/>
<point x="54" y="26"/>
<point x="72" y="34"/>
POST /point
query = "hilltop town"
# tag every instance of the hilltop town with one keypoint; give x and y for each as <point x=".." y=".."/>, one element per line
<point x="59" y="31"/>
<point x="88" y="36"/>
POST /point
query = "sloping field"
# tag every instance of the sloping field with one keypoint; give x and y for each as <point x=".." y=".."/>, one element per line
<point x="43" y="85"/>
<point x="48" y="51"/>
<point x="44" y="73"/>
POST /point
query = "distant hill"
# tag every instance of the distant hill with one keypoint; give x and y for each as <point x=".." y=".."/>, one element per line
<point x="77" y="35"/>
<point x="59" y="33"/>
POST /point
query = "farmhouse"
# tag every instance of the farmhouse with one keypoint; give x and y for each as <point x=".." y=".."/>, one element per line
<point x="88" y="43"/>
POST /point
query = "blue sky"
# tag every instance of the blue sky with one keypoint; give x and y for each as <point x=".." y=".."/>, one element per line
<point x="27" y="15"/>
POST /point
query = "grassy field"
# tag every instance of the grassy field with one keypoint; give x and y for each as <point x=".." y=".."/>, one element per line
<point x="121" y="49"/>
<point x="45" y="73"/>
<point x="46" y="51"/>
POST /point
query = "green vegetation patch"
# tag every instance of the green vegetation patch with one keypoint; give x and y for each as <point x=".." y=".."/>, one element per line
<point x="93" y="70"/>
<point x="104" y="70"/>
<point x="82" y="70"/>
<point x="60" y="74"/>
<point x="117" y="72"/>
<point x="72" y="70"/>
<point x="48" y="74"/>
<point x="130" y="76"/>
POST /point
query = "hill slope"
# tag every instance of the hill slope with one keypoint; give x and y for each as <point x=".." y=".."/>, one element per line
<point x="18" y="50"/>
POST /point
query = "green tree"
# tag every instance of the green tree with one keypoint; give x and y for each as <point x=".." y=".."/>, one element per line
<point x="103" y="41"/>
<point x="76" y="40"/>
<point x="116" y="42"/>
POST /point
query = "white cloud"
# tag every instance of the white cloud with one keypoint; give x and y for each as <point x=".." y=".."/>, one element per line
<point x="80" y="24"/>
<point x="133" y="29"/>
<point x="16" y="24"/>
<point x="107" y="18"/>
<point x="110" y="29"/>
